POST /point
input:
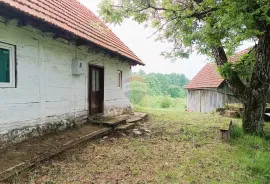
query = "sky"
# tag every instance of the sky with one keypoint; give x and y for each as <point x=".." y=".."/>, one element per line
<point x="135" y="36"/>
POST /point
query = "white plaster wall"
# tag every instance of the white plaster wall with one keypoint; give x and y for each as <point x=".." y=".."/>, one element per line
<point x="46" y="89"/>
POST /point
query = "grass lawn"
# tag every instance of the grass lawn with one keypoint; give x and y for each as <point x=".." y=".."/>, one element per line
<point x="182" y="148"/>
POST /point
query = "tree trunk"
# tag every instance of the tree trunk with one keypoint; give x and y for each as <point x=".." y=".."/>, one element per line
<point x="253" y="120"/>
<point x="253" y="96"/>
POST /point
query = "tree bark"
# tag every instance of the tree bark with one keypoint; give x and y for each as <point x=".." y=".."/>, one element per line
<point x="252" y="96"/>
<point x="255" y="98"/>
<point x="254" y="108"/>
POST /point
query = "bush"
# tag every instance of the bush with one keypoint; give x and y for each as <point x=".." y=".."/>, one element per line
<point x="137" y="91"/>
<point x="176" y="91"/>
<point x="166" y="102"/>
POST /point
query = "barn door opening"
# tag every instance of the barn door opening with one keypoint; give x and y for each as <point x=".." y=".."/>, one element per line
<point x="96" y="90"/>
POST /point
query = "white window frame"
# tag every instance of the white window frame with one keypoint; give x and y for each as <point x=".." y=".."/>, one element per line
<point x="120" y="75"/>
<point x="11" y="83"/>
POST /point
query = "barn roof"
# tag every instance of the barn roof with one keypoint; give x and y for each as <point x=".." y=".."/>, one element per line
<point x="208" y="77"/>
<point x="73" y="17"/>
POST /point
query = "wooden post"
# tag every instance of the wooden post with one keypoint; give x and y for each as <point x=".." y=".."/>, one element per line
<point x="225" y="132"/>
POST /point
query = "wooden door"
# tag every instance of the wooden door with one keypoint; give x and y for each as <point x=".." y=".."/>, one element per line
<point x="96" y="90"/>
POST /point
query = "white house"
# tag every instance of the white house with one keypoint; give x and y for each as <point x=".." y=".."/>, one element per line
<point x="59" y="64"/>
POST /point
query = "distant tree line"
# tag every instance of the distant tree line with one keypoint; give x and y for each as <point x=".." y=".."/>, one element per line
<point x="157" y="84"/>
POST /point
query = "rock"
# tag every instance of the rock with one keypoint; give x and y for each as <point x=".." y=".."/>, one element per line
<point x="123" y="134"/>
<point x="137" y="132"/>
<point x="112" y="139"/>
<point x="147" y="131"/>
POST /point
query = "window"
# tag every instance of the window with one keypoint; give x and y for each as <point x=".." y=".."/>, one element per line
<point x="119" y="79"/>
<point x="7" y="65"/>
<point x="95" y="80"/>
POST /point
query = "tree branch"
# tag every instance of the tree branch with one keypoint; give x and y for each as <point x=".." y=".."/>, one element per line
<point x="235" y="83"/>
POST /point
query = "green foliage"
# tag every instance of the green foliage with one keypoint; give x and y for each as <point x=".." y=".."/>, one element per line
<point x="243" y="67"/>
<point x="153" y="84"/>
<point x="163" y="84"/>
<point x="176" y="91"/>
<point x="191" y="25"/>
<point x="138" y="90"/>
<point x="166" y="102"/>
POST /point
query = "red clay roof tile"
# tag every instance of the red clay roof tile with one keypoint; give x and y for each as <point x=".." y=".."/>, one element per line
<point x="73" y="17"/>
<point x="208" y="77"/>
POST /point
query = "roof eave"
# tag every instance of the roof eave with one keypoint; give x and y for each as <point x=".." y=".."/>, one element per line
<point x="137" y="62"/>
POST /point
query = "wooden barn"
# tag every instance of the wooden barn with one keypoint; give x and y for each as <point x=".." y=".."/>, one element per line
<point x="207" y="91"/>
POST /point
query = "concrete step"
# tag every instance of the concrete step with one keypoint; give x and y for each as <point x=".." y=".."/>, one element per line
<point x="134" y="120"/>
<point x="125" y="126"/>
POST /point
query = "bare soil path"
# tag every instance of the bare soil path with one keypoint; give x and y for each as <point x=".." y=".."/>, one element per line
<point x="32" y="150"/>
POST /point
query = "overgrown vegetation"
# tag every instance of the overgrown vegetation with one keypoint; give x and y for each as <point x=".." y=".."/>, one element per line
<point x="157" y="90"/>
<point x="164" y="102"/>
<point x="182" y="148"/>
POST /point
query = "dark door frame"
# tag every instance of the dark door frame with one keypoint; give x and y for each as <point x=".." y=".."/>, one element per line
<point x="101" y="69"/>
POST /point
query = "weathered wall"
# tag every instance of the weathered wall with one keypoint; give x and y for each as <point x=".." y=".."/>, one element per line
<point x="207" y="100"/>
<point x="193" y="101"/>
<point x="211" y="99"/>
<point x="46" y="90"/>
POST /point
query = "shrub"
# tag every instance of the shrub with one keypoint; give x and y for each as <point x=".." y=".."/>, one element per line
<point x="137" y="91"/>
<point x="166" y="102"/>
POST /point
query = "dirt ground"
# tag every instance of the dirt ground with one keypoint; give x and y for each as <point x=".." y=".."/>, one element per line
<point x="180" y="148"/>
<point x="36" y="147"/>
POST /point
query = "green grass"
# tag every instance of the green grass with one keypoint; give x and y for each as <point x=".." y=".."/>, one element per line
<point x="244" y="159"/>
<point x="182" y="148"/>
<point x="162" y="102"/>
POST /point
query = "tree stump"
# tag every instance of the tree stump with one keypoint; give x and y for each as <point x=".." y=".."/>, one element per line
<point x="225" y="131"/>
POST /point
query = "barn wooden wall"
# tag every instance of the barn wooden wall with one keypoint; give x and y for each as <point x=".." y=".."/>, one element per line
<point x="207" y="100"/>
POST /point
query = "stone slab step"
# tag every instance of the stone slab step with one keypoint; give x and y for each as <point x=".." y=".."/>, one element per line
<point x="115" y="122"/>
<point x="134" y="120"/>
<point x="111" y="122"/>
<point x="125" y="126"/>
<point x="141" y="115"/>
